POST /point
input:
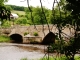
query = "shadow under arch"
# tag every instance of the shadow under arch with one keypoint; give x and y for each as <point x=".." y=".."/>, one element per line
<point x="49" y="39"/>
<point x="16" y="38"/>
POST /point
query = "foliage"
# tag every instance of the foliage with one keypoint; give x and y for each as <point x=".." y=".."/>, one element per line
<point x="6" y="24"/>
<point x="4" y="38"/>
<point x="4" y="11"/>
<point x="26" y="33"/>
<point x="18" y="8"/>
<point x="8" y="8"/>
<point x="77" y="57"/>
<point x="35" y="33"/>
<point x="54" y="58"/>
<point x="21" y="21"/>
<point x="37" y="15"/>
<point x="2" y="2"/>
<point x="73" y="6"/>
<point x="59" y="58"/>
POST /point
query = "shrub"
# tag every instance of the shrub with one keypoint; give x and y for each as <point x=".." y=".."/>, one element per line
<point x="54" y="58"/>
<point x="6" y="24"/>
<point x="35" y="33"/>
<point x="4" y="38"/>
<point x="21" y="21"/>
<point x="26" y="33"/>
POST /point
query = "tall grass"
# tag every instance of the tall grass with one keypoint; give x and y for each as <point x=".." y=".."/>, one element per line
<point x="59" y="58"/>
<point x="4" y="38"/>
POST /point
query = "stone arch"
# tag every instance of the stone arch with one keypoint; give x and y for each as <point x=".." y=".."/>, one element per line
<point x="49" y="39"/>
<point x="16" y="38"/>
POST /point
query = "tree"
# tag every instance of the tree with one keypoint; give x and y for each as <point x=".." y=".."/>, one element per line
<point x="74" y="9"/>
<point x="19" y="8"/>
<point x="60" y="19"/>
<point x="28" y="15"/>
<point x="21" y="21"/>
<point x="73" y="6"/>
<point x="4" y="13"/>
<point x="37" y="15"/>
<point x="8" y="7"/>
<point x="2" y="2"/>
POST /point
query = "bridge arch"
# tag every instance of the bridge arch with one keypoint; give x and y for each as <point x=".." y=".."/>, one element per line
<point x="16" y="38"/>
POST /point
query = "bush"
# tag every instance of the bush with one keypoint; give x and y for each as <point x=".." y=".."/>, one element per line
<point x="54" y="58"/>
<point x="22" y="21"/>
<point x="4" y="38"/>
<point x="35" y="33"/>
<point x="26" y="33"/>
<point x="77" y="57"/>
<point x="6" y="24"/>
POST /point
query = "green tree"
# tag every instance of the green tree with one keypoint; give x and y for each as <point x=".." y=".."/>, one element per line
<point x="28" y="16"/>
<point x="8" y="8"/>
<point x="2" y="2"/>
<point x="73" y="7"/>
<point x="60" y="19"/>
<point x="37" y="15"/>
<point x="4" y="13"/>
<point x="19" y="8"/>
<point x="21" y="21"/>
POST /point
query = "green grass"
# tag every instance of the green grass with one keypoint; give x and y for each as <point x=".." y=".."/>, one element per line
<point x="18" y="12"/>
<point x="59" y="58"/>
<point x="77" y="57"/>
<point x="55" y="58"/>
<point x="4" y="38"/>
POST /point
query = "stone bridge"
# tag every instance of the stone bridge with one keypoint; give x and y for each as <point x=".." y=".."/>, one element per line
<point x="41" y="30"/>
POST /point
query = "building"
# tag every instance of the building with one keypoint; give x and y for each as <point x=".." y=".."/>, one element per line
<point x="14" y="16"/>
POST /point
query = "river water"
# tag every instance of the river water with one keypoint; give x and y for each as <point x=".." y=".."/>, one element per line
<point x="10" y="51"/>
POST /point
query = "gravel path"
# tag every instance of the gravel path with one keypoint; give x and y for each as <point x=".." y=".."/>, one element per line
<point x="12" y="52"/>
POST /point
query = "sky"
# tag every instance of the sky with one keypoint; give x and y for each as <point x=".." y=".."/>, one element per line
<point x="47" y="3"/>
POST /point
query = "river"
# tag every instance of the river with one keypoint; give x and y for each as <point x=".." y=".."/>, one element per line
<point x="9" y="51"/>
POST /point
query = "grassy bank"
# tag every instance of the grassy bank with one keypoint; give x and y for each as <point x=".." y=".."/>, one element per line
<point x="4" y="38"/>
<point x="54" y="58"/>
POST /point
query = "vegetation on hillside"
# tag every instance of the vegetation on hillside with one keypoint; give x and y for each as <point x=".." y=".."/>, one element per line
<point x="18" y="8"/>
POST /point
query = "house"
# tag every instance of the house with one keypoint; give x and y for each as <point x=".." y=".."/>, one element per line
<point x="14" y="16"/>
